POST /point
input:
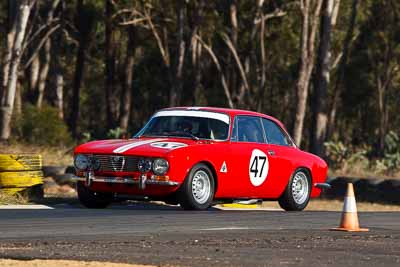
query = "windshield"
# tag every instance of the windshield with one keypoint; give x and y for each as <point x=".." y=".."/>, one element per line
<point x="188" y="124"/>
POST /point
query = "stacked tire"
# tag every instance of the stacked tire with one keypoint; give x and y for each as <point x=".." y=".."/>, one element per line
<point x="21" y="174"/>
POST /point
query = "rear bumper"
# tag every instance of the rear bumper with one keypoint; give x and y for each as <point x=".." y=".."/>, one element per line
<point x="323" y="186"/>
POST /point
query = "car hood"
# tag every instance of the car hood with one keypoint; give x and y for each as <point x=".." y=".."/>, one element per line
<point x="141" y="146"/>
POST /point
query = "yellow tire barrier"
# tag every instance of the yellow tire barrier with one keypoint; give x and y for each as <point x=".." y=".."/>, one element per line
<point x="20" y="179"/>
<point x="33" y="193"/>
<point x="240" y="206"/>
<point x="20" y="162"/>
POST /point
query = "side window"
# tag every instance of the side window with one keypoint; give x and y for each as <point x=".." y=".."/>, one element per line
<point x="274" y="133"/>
<point x="249" y="129"/>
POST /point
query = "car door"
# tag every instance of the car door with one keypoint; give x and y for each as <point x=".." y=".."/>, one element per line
<point x="280" y="151"/>
<point x="249" y="168"/>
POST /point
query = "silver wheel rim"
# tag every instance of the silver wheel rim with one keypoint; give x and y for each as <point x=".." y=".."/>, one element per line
<point x="300" y="188"/>
<point x="201" y="187"/>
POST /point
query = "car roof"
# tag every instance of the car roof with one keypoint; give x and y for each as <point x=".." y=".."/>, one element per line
<point x="229" y="111"/>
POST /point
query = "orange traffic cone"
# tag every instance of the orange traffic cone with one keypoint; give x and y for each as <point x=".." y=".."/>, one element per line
<point x="349" y="220"/>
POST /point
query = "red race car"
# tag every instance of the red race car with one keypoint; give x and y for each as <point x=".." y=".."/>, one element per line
<point x="195" y="156"/>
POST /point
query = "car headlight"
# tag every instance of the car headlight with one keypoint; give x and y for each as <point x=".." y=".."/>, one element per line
<point x="144" y="165"/>
<point x="81" y="162"/>
<point x="160" y="166"/>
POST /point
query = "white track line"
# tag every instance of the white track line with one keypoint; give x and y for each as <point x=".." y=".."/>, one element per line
<point x="224" y="228"/>
<point x="25" y="207"/>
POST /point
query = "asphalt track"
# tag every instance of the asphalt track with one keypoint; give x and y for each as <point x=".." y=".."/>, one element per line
<point x="169" y="236"/>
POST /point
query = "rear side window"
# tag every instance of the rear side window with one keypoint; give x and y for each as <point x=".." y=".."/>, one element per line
<point x="274" y="133"/>
<point x="249" y="129"/>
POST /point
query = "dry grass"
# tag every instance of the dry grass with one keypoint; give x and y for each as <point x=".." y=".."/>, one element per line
<point x="12" y="200"/>
<point x="336" y="205"/>
<point x="60" y="156"/>
<point x="65" y="263"/>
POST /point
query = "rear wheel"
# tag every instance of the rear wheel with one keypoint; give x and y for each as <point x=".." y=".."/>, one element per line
<point x="297" y="192"/>
<point x="197" y="191"/>
<point x="91" y="199"/>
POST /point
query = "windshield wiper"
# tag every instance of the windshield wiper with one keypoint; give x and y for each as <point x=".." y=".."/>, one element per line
<point x="185" y="134"/>
<point x="181" y="134"/>
<point x="193" y="136"/>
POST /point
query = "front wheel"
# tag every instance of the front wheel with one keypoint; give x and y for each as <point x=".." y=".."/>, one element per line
<point x="91" y="199"/>
<point x="297" y="192"/>
<point x="197" y="191"/>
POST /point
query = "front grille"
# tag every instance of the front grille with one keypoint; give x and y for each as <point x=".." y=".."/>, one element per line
<point x="115" y="163"/>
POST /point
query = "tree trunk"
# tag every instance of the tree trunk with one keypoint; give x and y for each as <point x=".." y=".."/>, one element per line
<point x="18" y="100"/>
<point x="310" y="16"/>
<point x="177" y="85"/>
<point x="12" y="11"/>
<point x="384" y="80"/>
<point x="197" y="67"/>
<point x="231" y="76"/>
<point x="341" y="69"/>
<point x="59" y="95"/>
<point x="196" y="50"/>
<point x="263" y="79"/>
<point x="382" y="115"/>
<point x="126" y="99"/>
<point x="34" y="74"/>
<point x="78" y="76"/>
<point x="83" y="26"/>
<point x="43" y="73"/>
<point x="263" y="57"/>
<point x="110" y="66"/>
<point x="58" y="68"/>
<point x="15" y="44"/>
<point x="323" y="68"/>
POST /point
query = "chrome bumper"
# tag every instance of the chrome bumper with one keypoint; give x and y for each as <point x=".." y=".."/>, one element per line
<point x="123" y="180"/>
<point x="322" y="185"/>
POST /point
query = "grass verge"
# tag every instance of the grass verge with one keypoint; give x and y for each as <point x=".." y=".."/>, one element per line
<point x="59" y="156"/>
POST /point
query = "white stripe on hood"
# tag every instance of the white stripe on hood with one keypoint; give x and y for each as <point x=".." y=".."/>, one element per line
<point x="124" y="148"/>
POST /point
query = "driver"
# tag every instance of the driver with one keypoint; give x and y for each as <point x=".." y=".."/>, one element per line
<point x="185" y="126"/>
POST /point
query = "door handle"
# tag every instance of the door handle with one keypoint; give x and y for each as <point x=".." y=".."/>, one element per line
<point x="271" y="152"/>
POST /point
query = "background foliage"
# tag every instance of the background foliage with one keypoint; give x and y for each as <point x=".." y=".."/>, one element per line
<point x="132" y="58"/>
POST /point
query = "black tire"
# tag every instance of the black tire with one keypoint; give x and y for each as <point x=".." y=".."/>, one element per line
<point x="91" y="199"/>
<point x="288" y="201"/>
<point x="34" y="193"/>
<point x="50" y="171"/>
<point x="186" y="196"/>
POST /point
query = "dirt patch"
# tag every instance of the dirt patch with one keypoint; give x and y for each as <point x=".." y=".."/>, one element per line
<point x="65" y="263"/>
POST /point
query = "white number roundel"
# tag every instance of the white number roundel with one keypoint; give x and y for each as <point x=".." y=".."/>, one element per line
<point x="258" y="167"/>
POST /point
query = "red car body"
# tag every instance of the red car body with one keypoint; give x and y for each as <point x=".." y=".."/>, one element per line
<point x="231" y="162"/>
